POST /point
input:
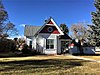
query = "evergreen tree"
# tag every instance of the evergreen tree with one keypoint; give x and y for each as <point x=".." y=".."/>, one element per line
<point x="64" y="28"/>
<point x="95" y="29"/>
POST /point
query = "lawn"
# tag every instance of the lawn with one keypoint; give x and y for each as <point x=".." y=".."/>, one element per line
<point x="92" y="57"/>
<point x="47" y="65"/>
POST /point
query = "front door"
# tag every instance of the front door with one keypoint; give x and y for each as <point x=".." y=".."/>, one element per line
<point x="64" y="46"/>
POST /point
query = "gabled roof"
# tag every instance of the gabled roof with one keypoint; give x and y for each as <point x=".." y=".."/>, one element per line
<point x="34" y="30"/>
<point x="50" y="22"/>
<point x="31" y="30"/>
<point x="65" y="36"/>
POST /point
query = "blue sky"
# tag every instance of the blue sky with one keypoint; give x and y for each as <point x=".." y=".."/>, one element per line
<point x="34" y="12"/>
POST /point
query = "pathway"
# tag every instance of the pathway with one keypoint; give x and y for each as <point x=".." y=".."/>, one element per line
<point x="82" y="58"/>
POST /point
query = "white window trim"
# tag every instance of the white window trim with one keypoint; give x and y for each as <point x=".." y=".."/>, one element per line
<point x="53" y="44"/>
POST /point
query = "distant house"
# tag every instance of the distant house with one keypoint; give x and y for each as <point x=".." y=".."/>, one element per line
<point x="46" y="39"/>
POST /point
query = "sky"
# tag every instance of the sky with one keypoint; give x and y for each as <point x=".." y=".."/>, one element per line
<point x="34" y="12"/>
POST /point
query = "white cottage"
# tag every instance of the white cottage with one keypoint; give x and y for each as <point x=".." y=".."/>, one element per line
<point x="46" y="39"/>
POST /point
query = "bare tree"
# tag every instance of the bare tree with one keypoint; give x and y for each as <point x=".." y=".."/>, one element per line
<point x="79" y="31"/>
<point x="6" y="27"/>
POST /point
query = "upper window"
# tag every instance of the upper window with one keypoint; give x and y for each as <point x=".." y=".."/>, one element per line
<point x="50" y="44"/>
<point x="50" y="29"/>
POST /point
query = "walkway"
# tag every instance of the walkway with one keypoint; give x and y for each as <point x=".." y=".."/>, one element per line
<point x="82" y="58"/>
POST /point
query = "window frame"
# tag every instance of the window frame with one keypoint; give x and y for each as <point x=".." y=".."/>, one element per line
<point x="49" y="43"/>
<point x="50" y="29"/>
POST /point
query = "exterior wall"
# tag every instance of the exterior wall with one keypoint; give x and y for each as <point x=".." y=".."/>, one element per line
<point x="86" y="50"/>
<point x="89" y="50"/>
<point x="39" y="43"/>
<point x="74" y="50"/>
<point x="58" y="46"/>
<point x="33" y="39"/>
<point x="28" y="40"/>
<point x="49" y="36"/>
<point x="34" y="43"/>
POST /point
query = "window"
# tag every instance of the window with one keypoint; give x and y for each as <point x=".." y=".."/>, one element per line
<point x="50" y="44"/>
<point x="50" y="29"/>
<point x="30" y="42"/>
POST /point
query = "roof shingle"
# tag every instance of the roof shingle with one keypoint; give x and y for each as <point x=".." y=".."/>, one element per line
<point x="31" y="30"/>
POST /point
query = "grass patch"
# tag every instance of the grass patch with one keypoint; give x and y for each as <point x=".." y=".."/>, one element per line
<point x="92" y="57"/>
<point x="7" y="54"/>
<point x="48" y="65"/>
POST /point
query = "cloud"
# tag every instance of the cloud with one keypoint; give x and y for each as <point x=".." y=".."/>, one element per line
<point x="22" y="25"/>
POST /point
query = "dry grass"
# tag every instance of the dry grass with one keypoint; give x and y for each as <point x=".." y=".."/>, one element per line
<point x="92" y="57"/>
<point x="47" y="65"/>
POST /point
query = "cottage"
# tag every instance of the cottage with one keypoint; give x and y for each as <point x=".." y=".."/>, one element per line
<point x="46" y="39"/>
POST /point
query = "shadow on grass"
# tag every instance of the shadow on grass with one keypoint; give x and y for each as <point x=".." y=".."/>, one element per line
<point x="52" y="64"/>
<point x="7" y="55"/>
<point x="20" y="55"/>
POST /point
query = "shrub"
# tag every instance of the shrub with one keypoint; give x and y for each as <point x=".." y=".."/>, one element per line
<point x="25" y="49"/>
<point x="6" y="45"/>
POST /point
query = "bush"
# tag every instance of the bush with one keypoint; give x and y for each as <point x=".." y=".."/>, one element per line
<point x="6" y="45"/>
<point x="25" y="49"/>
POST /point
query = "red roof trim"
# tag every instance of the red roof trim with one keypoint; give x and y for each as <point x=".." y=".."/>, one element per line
<point x="50" y="22"/>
